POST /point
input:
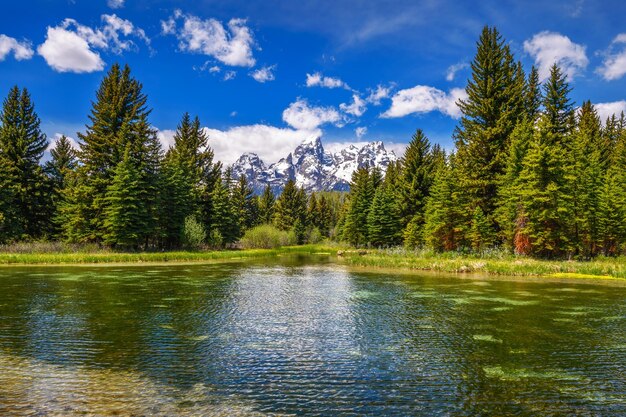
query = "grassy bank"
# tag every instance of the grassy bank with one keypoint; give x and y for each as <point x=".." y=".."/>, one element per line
<point x="95" y="256"/>
<point x="496" y="263"/>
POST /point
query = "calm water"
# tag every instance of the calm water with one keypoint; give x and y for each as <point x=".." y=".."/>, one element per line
<point x="290" y="338"/>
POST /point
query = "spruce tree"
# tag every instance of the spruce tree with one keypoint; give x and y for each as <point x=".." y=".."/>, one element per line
<point x="362" y="190"/>
<point x="22" y="145"/>
<point x="446" y="222"/>
<point x="416" y="178"/>
<point x="266" y="205"/>
<point x="225" y="220"/>
<point x="494" y="105"/>
<point x="124" y="220"/>
<point x="290" y="208"/>
<point x="118" y="122"/>
<point x="58" y="169"/>
<point x="10" y="226"/>
<point x="383" y="219"/>
<point x="176" y="201"/>
<point x="532" y="95"/>
<point x="245" y="204"/>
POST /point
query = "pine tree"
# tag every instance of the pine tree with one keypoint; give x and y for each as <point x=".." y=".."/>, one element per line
<point x="10" y="226"/>
<point x="445" y="226"/>
<point x="225" y="217"/>
<point x="383" y="219"/>
<point x="362" y="190"/>
<point x="587" y="182"/>
<point x="416" y="178"/>
<point x="62" y="164"/>
<point x="22" y="143"/>
<point x="290" y="207"/>
<point x="124" y="220"/>
<point x="532" y="95"/>
<point x="481" y="233"/>
<point x="266" y="205"/>
<point x="244" y="202"/>
<point x="176" y="201"/>
<point x="119" y="122"/>
<point x="509" y="213"/>
<point x="494" y="105"/>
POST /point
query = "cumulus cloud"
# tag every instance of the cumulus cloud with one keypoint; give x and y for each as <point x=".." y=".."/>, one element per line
<point x="232" y="45"/>
<point x="377" y="94"/>
<point x="229" y="75"/>
<point x="20" y="50"/>
<point x="360" y="131"/>
<point x="300" y="115"/>
<point x="319" y="80"/>
<point x="70" y="46"/>
<point x="425" y="99"/>
<point x="356" y="108"/>
<point x="115" y="4"/>
<point x="453" y="69"/>
<point x="269" y="142"/>
<point x="614" y="64"/>
<point x="606" y="110"/>
<point x="548" y="48"/>
<point x="264" y="74"/>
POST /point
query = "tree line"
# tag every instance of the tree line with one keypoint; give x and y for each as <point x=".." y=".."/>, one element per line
<point x="529" y="172"/>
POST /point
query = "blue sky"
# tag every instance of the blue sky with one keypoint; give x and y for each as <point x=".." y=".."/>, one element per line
<point x="263" y="76"/>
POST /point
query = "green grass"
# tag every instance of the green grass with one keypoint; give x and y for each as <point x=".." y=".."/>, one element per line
<point x="495" y="263"/>
<point x="105" y="256"/>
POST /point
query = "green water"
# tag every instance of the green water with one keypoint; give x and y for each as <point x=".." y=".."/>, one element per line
<point x="306" y="338"/>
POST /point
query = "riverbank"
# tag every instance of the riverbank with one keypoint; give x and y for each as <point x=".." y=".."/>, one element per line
<point x="492" y="264"/>
<point x="104" y="256"/>
<point x="496" y="263"/>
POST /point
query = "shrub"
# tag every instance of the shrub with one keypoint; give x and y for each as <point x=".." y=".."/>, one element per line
<point x="194" y="233"/>
<point x="266" y="237"/>
<point x="315" y="236"/>
<point x="216" y="241"/>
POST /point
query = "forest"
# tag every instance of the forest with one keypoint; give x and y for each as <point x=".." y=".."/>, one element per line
<point x="531" y="172"/>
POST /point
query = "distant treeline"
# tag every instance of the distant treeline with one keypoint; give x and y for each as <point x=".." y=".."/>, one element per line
<point x="530" y="172"/>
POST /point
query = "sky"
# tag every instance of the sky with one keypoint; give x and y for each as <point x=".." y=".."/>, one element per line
<point x="263" y="76"/>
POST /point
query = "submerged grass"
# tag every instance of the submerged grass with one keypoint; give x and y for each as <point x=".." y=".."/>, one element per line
<point x="494" y="263"/>
<point x="107" y="256"/>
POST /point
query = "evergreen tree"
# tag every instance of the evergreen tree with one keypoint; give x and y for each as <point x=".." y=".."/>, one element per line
<point x="445" y="224"/>
<point x="225" y="217"/>
<point x="62" y="164"/>
<point x="362" y="190"/>
<point x="124" y="221"/>
<point x="176" y="200"/>
<point x="588" y="174"/>
<point x="245" y="204"/>
<point x="22" y="145"/>
<point x="417" y="176"/>
<point x="118" y="122"/>
<point x="291" y="208"/>
<point x="509" y="214"/>
<point x="10" y="226"/>
<point x="494" y="105"/>
<point x="481" y="233"/>
<point x="266" y="205"/>
<point x="532" y="95"/>
<point x="383" y="219"/>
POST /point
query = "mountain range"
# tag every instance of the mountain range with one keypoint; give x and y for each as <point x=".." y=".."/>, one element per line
<point x="312" y="167"/>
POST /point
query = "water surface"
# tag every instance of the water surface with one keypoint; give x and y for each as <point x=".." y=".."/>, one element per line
<point x="296" y="337"/>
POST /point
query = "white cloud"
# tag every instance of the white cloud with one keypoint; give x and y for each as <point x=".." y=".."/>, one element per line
<point x="425" y="99"/>
<point x="356" y="108"/>
<point x="264" y="74"/>
<point x="606" y="110"/>
<point x="319" y="80"/>
<point x="301" y="116"/>
<point x="69" y="46"/>
<point x="231" y="45"/>
<point x="269" y="142"/>
<point x="115" y="4"/>
<point x="21" y="50"/>
<point x="453" y="69"/>
<point x="548" y="48"/>
<point x="166" y="137"/>
<point x="360" y="131"/>
<point x="614" y="64"/>
<point x="378" y="94"/>
<point x="229" y="75"/>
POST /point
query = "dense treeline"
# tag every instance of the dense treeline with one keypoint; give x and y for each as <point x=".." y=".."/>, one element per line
<point x="122" y="190"/>
<point x="530" y="172"/>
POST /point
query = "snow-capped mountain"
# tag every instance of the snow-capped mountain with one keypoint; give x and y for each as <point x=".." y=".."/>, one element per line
<point x="312" y="167"/>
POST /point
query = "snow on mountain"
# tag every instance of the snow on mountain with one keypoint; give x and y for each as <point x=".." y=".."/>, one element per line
<point x="312" y="167"/>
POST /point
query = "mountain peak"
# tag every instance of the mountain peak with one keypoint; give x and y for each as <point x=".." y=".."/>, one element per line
<point x="312" y="167"/>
